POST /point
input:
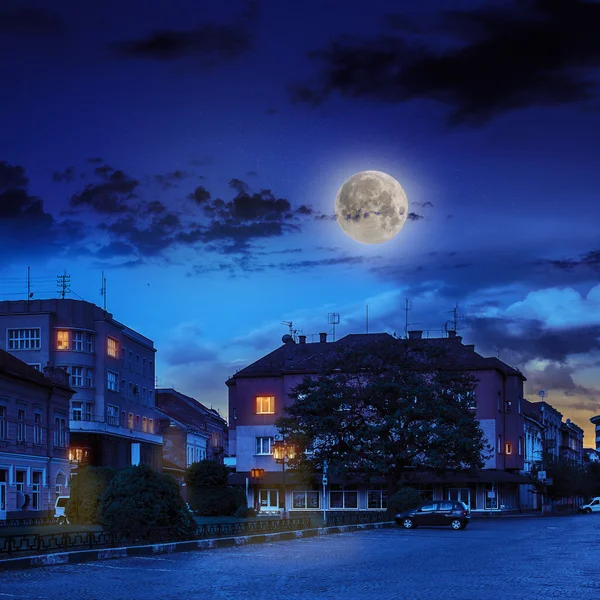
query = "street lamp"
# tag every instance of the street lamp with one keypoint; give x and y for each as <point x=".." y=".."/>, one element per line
<point x="257" y="475"/>
<point x="283" y="451"/>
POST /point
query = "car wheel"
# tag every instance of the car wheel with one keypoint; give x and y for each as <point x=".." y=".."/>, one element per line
<point x="408" y="523"/>
<point x="456" y="524"/>
<point x="588" y="511"/>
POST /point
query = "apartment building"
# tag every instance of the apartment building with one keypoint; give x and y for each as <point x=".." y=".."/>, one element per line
<point x="259" y="393"/>
<point x="112" y="415"/>
<point x="34" y="438"/>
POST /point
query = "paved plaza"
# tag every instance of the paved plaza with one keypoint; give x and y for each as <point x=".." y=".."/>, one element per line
<point x="501" y="559"/>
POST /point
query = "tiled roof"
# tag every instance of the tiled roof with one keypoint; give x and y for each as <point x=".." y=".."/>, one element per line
<point x="184" y="409"/>
<point x="310" y="358"/>
<point x="11" y="365"/>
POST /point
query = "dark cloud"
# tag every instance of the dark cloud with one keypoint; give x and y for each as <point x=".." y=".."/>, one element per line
<point x="12" y="176"/>
<point x="326" y="262"/>
<point x="209" y="44"/>
<point x="170" y="180"/>
<point x="200" y="195"/>
<point x="517" y="55"/>
<point x="427" y="205"/>
<point x="589" y="260"/>
<point x="115" y="249"/>
<point x="322" y="217"/>
<point x="65" y="176"/>
<point x="414" y="216"/>
<point x="304" y="210"/>
<point x="112" y="196"/>
<point x="30" y="22"/>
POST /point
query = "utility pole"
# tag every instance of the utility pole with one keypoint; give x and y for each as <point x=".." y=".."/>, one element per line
<point x="63" y="282"/>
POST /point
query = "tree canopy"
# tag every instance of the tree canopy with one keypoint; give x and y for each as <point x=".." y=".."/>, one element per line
<point x="383" y="410"/>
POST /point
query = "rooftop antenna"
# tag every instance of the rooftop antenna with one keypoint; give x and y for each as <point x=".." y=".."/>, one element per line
<point x="29" y="294"/>
<point x="289" y="324"/>
<point x="103" y="290"/>
<point x="454" y="322"/>
<point x="63" y="281"/>
<point x="333" y="319"/>
<point x="407" y="307"/>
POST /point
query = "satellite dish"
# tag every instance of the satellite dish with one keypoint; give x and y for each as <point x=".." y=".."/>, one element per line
<point x="287" y="339"/>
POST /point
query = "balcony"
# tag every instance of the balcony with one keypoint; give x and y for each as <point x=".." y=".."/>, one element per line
<point x="86" y="423"/>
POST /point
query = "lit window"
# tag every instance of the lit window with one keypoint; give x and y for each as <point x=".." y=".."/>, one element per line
<point x="264" y="445"/>
<point x="508" y="448"/>
<point x="144" y="424"/>
<point x="150" y="426"/>
<point x="130" y="421"/>
<point x="62" y="340"/>
<point x="24" y="339"/>
<point x="265" y="405"/>
<point x="113" y="348"/>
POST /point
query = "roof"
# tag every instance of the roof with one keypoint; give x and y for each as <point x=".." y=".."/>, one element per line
<point x="14" y="367"/>
<point x="185" y="409"/>
<point x="310" y="358"/>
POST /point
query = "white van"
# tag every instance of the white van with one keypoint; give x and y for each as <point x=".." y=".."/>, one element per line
<point x="59" y="509"/>
<point x="592" y="506"/>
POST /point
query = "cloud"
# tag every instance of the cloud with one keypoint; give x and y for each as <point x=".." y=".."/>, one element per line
<point x="481" y="76"/>
<point x="209" y="44"/>
<point x="412" y="216"/>
<point x="588" y="260"/>
<point x="172" y="179"/>
<point x="30" y="22"/>
<point x="65" y="176"/>
<point x="113" y="195"/>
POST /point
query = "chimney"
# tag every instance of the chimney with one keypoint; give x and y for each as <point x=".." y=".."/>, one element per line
<point x="415" y="335"/>
<point x="451" y="333"/>
<point x="302" y="339"/>
<point x="322" y="337"/>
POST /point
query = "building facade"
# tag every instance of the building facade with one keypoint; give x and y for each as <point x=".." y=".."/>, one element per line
<point x="112" y="416"/>
<point x="596" y="421"/>
<point x="571" y="446"/>
<point x="259" y="393"/>
<point x="534" y="455"/>
<point x="34" y="438"/>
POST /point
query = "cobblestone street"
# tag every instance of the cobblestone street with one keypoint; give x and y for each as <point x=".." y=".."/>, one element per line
<point x="507" y="559"/>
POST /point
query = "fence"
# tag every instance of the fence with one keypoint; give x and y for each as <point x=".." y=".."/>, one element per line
<point x="28" y="543"/>
<point x="335" y="520"/>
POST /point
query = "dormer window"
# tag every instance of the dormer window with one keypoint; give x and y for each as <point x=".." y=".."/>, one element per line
<point x="265" y="405"/>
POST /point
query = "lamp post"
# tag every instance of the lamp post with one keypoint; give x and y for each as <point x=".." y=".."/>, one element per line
<point x="283" y="451"/>
<point x="257" y="475"/>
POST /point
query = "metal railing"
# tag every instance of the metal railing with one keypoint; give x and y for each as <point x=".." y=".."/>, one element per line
<point x="356" y="518"/>
<point x="28" y="543"/>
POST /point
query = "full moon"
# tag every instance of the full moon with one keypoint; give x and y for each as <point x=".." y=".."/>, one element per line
<point x="371" y="207"/>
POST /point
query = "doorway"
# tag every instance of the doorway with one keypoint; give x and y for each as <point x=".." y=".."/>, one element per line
<point x="269" y="499"/>
<point x="460" y="495"/>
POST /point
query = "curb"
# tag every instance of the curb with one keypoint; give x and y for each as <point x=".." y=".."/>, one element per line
<point x="79" y="556"/>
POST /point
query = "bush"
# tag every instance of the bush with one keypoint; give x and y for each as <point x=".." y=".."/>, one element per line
<point x="206" y="473"/>
<point x="87" y="488"/>
<point x="404" y="499"/>
<point x="245" y="512"/>
<point x="139" y="500"/>
<point x="217" y="501"/>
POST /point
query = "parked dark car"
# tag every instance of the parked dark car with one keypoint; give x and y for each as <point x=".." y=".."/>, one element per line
<point x="440" y="512"/>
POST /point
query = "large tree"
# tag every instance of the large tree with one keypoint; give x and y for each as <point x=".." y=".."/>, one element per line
<point x="384" y="409"/>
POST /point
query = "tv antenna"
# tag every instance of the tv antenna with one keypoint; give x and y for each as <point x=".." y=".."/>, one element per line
<point x="454" y="321"/>
<point x="293" y="332"/>
<point x="333" y="319"/>
<point x="103" y="290"/>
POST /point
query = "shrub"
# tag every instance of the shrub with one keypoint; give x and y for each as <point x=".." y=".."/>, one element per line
<point x="404" y="499"/>
<point x="245" y="512"/>
<point x="206" y="473"/>
<point x="87" y="488"/>
<point x="217" y="501"/>
<point x="139" y="500"/>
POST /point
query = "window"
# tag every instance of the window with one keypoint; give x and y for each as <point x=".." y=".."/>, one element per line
<point x="426" y="492"/>
<point x="265" y="405"/>
<point x="123" y="388"/>
<point x="499" y="445"/>
<point x="520" y="446"/>
<point x="20" y="425"/>
<point x="137" y="422"/>
<point x="112" y="381"/>
<point x="123" y="357"/>
<point x="428" y="507"/>
<point x="129" y="362"/>
<point x="62" y="340"/>
<point x="77" y="411"/>
<point x="136" y="393"/>
<point x="89" y="378"/>
<point x="144" y="396"/>
<point x="150" y="369"/>
<point x="89" y="342"/>
<point x="2" y="423"/>
<point x="113" y="347"/>
<point x="150" y="426"/>
<point x="130" y="394"/>
<point x="144" y="424"/>
<point x="137" y="363"/>
<point x="60" y="432"/>
<point x="343" y="496"/>
<point x="78" y="341"/>
<point x="123" y="418"/>
<point x="264" y="445"/>
<point x="36" y="481"/>
<point x="24" y="339"/>
<point x="112" y="415"/>
<point x="77" y="376"/>
<point x="144" y="367"/>
<point x="150" y="398"/>
<point x="377" y="499"/>
<point x="20" y="481"/>
<point x="508" y="448"/>
<point x="130" y="421"/>
<point x="87" y="413"/>
<point x="305" y="499"/>
<point x="37" y="428"/>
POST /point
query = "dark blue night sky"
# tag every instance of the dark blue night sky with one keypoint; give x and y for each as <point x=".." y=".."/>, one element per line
<point x="192" y="151"/>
